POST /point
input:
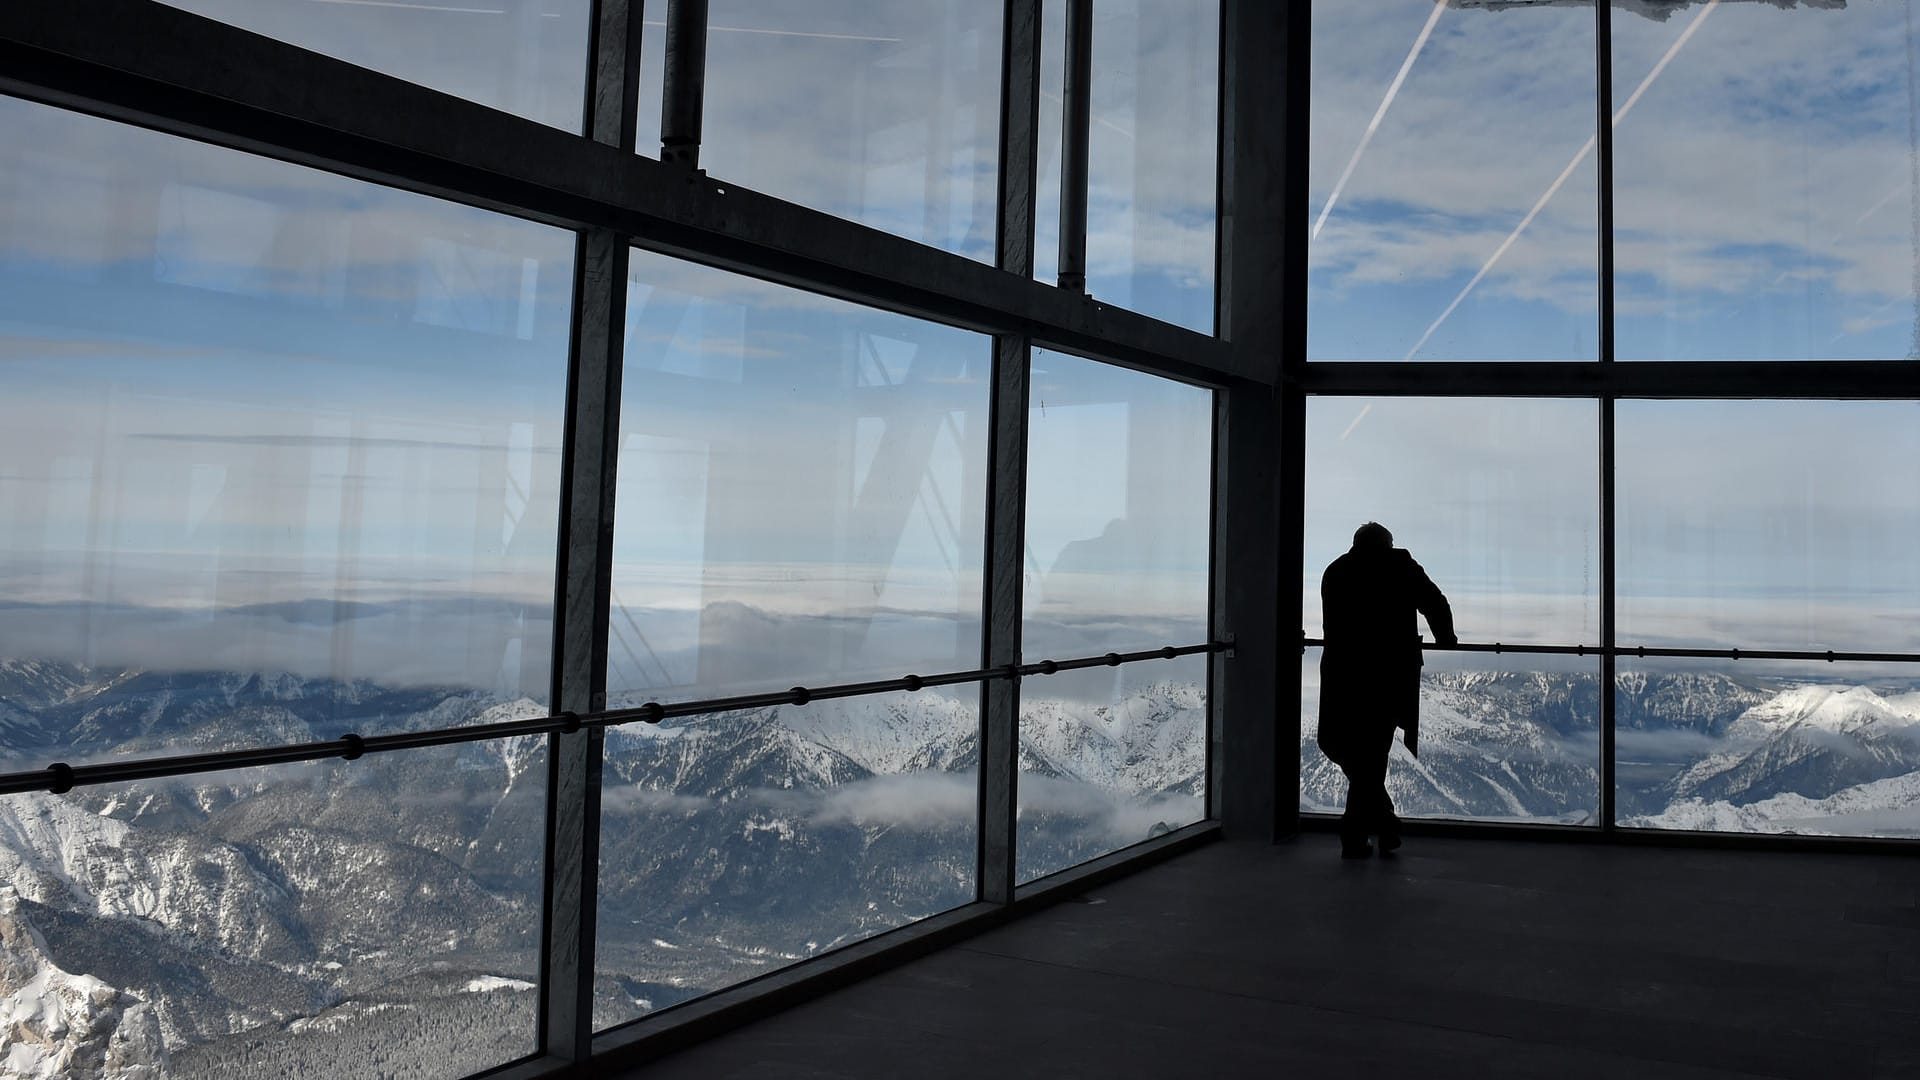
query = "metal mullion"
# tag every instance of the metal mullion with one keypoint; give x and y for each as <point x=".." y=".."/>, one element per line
<point x="1003" y="616"/>
<point x="1076" y="122"/>
<point x="1213" y="767"/>
<point x="585" y="559"/>
<point x="1002" y="602"/>
<point x="1295" y="35"/>
<point x="1609" y="660"/>
<point x="1019" y="135"/>
<point x="1260" y="466"/>
<point x="684" y="86"/>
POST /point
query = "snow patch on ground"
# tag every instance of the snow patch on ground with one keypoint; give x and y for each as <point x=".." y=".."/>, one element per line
<point x="486" y="983"/>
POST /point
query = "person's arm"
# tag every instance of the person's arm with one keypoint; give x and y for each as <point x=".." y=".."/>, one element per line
<point x="1433" y="604"/>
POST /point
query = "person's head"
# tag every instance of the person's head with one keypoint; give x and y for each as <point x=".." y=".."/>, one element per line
<point x="1372" y="536"/>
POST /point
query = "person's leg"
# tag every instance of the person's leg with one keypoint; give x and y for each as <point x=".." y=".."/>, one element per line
<point x="1387" y="823"/>
<point x="1379" y="816"/>
<point x="1356" y="821"/>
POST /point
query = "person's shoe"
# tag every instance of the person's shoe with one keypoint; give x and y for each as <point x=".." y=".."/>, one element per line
<point x="1362" y="850"/>
<point x="1389" y="844"/>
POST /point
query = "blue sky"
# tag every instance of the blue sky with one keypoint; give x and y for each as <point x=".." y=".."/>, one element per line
<point x="1764" y="200"/>
<point x="235" y="385"/>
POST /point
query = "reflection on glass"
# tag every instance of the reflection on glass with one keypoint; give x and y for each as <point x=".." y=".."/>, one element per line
<point x="653" y="77"/>
<point x="1453" y="181"/>
<point x="1053" y="81"/>
<point x="527" y="57"/>
<point x="1119" y="474"/>
<point x="1497" y="498"/>
<point x="1770" y="524"/>
<point x="1152" y="152"/>
<point x="1511" y="738"/>
<point x="1765" y="202"/>
<point x="269" y="435"/>
<point x="1753" y="746"/>
<point x="379" y="917"/>
<point x="888" y="114"/>
<point x="735" y="844"/>
<point x="800" y="490"/>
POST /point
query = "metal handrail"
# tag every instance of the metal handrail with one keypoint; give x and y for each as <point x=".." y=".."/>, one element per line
<point x="1644" y="651"/>
<point x="60" y="777"/>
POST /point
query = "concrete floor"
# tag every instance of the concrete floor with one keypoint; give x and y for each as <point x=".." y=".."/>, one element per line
<point x="1460" y="958"/>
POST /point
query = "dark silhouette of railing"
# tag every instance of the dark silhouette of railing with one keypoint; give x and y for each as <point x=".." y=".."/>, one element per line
<point x="61" y="777"/>
<point x="1648" y="651"/>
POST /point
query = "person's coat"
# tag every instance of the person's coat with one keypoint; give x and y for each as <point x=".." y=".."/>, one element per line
<point x="1370" y="667"/>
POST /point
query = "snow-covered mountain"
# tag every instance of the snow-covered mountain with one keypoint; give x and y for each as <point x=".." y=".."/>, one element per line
<point x="299" y="915"/>
<point x="1697" y="751"/>
<point x="1819" y="758"/>
<point x="1492" y="745"/>
<point x="291" y="918"/>
<point x="58" y="1024"/>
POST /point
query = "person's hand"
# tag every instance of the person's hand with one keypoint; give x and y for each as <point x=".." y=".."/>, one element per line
<point x="1412" y="739"/>
<point x="1446" y="641"/>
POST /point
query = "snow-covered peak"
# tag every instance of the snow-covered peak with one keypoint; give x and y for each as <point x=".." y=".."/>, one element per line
<point x="57" y="1023"/>
<point x="1836" y="709"/>
<point x="889" y="733"/>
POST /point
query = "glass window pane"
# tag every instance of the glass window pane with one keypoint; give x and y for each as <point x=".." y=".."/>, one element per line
<point x="801" y="489"/>
<point x="888" y="114"/>
<point x="1769" y="746"/>
<point x="1053" y="81"/>
<point x="1152" y="154"/>
<point x="1501" y="738"/>
<point x="377" y="917"/>
<point x="653" y="75"/>
<point x="265" y="427"/>
<point x="522" y="56"/>
<point x="1497" y="499"/>
<point x="1453" y="181"/>
<point x="1765" y="202"/>
<point x="1769" y="524"/>
<point x="1119" y="482"/>
<point x="801" y="498"/>
<point x="735" y="844"/>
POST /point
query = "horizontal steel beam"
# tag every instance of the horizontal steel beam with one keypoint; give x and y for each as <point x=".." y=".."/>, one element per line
<point x="61" y="777"/>
<point x="173" y="71"/>
<point x="1824" y="379"/>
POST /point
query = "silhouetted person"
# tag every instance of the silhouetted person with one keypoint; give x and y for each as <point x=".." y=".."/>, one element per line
<point x="1370" y="674"/>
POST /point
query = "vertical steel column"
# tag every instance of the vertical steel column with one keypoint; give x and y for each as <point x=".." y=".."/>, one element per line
<point x="1609" y="663"/>
<point x="1006" y="541"/>
<point x="1007" y="457"/>
<point x="684" y="87"/>
<point x="1260" y="467"/>
<point x="1076" y="118"/>
<point x="585" y="561"/>
<point x="1019" y="135"/>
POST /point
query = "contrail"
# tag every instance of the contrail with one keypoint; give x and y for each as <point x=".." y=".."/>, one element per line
<point x="1560" y="181"/>
<point x="1379" y="114"/>
<point x="1362" y="415"/>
